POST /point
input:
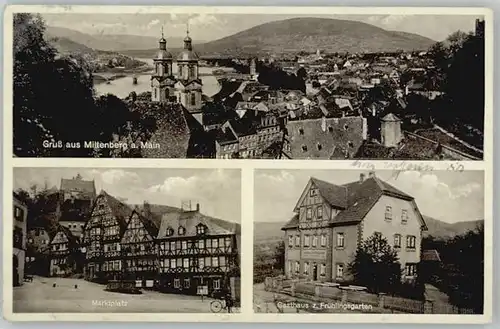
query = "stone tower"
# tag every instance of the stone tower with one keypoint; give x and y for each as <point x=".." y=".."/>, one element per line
<point x="390" y="130"/>
<point x="162" y="80"/>
<point x="188" y="88"/>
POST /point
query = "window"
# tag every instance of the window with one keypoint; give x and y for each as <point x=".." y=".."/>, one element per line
<point x="313" y="192"/>
<point x="323" y="240"/>
<point x="193" y="99"/>
<point x="182" y="230"/>
<point x="345" y="127"/>
<point x="156" y="95"/>
<point x="18" y="213"/>
<point x="177" y="283"/>
<point x="319" y="213"/>
<point x="290" y="241"/>
<point x="185" y="263"/>
<point x="319" y="146"/>
<point x="411" y="242"/>
<point x="215" y="261"/>
<point x="301" y="131"/>
<point x="388" y="213"/>
<point x="166" y="94"/>
<point x="404" y="216"/>
<point x="187" y="283"/>
<point x="340" y="270"/>
<point x="184" y="245"/>
<point x="350" y="144"/>
<point x="297" y="241"/>
<point x="297" y="267"/>
<point x="200" y="229"/>
<point x="173" y="263"/>
<point x="306" y="268"/>
<point x="306" y="240"/>
<point x="340" y="240"/>
<point x="217" y="284"/>
<point x="397" y="240"/>
<point x="201" y="244"/>
<point x="304" y="148"/>
<point x="330" y="129"/>
<point x="309" y="213"/>
<point x="322" y="270"/>
<point x="410" y="269"/>
<point x="170" y="231"/>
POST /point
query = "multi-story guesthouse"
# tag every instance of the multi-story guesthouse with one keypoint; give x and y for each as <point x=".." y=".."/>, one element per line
<point x="20" y="213"/>
<point x="197" y="252"/>
<point x="332" y="220"/>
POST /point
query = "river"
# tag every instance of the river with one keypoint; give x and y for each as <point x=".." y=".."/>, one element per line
<point x="122" y="87"/>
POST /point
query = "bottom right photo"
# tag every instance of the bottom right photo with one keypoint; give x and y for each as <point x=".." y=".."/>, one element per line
<point x="352" y="241"/>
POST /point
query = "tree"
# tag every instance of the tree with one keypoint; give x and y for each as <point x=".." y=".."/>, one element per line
<point x="53" y="97"/>
<point x="376" y="265"/>
<point x="279" y="256"/>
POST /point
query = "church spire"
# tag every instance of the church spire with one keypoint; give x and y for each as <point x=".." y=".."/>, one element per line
<point x="187" y="40"/>
<point x="163" y="42"/>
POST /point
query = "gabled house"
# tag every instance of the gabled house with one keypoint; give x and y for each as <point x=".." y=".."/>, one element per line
<point x="102" y="238"/>
<point x="139" y="248"/>
<point x="197" y="251"/>
<point x="65" y="254"/>
<point x="332" y="220"/>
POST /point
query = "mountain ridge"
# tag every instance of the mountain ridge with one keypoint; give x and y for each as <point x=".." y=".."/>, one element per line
<point x="270" y="232"/>
<point x="289" y="35"/>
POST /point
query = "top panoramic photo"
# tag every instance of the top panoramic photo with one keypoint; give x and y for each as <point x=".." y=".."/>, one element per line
<point x="249" y="86"/>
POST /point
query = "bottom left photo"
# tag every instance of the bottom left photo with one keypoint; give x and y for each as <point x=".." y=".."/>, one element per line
<point x="126" y="240"/>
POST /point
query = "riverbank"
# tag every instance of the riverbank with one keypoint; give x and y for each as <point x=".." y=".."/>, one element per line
<point x="118" y="73"/>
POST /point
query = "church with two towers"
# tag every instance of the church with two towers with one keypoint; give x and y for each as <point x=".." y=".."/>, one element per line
<point x="185" y="86"/>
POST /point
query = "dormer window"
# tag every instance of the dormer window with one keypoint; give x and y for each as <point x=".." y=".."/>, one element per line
<point x="319" y="146"/>
<point x="345" y="127"/>
<point x="350" y="144"/>
<point x="304" y="148"/>
<point x="170" y="231"/>
<point x="330" y="129"/>
<point x="182" y="230"/>
<point x="201" y="229"/>
<point x="301" y="131"/>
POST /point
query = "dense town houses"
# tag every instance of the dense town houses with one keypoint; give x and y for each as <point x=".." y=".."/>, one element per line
<point x="258" y="112"/>
<point x="20" y="213"/>
<point x="332" y="220"/>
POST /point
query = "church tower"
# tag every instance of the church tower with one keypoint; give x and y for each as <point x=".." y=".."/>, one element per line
<point x="188" y="88"/>
<point x="162" y="80"/>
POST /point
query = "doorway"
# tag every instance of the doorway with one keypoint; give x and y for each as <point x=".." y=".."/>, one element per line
<point x="315" y="272"/>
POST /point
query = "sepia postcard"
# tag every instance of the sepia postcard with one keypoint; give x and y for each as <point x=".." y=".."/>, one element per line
<point x="142" y="180"/>
<point x="369" y="242"/>
<point x="126" y="240"/>
<point x="274" y="84"/>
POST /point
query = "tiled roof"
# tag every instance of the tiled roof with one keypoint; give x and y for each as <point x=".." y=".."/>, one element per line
<point x="172" y="131"/>
<point x="78" y="185"/>
<point x="243" y="127"/>
<point x="190" y="219"/>
<point x="292" y="223"/>
<point x="335" y="195"/>
<point x="323" y="138"/>
<point x="431" y="255"/>
<point x="120" y="210"/>
<point x="355" y="199"/>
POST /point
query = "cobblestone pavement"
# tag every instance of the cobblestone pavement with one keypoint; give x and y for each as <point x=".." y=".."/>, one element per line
<point x="40" y="296"/>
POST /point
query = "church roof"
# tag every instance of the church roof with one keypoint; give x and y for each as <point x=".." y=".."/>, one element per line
<point x="187" y="55"/>
<point x="163" y="54"/>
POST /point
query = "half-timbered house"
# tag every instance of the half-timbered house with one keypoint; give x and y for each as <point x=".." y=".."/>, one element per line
<point x="140" y="255"/>
<point x="102" y="238"/>
<point x="197" y="252"/>
<point x="64" y="253"/>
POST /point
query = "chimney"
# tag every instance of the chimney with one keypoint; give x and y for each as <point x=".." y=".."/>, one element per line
<point x="361" y="178"/>
<point x="198" y="207"/>
<point x="371" y="174"/>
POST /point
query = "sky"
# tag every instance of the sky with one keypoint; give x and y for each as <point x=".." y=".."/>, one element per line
<point x="444" y="195"/>
<point x="218" y="191"/>
<point x="207" y="27"/>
